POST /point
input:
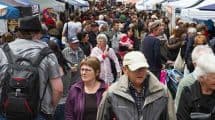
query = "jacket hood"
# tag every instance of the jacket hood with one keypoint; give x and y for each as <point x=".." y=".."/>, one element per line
<point x="154" y="86"/>
<point x="153" y="83"/>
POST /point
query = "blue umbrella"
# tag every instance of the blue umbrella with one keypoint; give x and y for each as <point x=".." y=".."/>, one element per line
<point x="210" y="7"/>
<point x="11" y="12"/>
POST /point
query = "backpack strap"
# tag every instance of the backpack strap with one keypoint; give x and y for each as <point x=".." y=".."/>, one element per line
<point x="43" y="53"/>
<point x="5" y="47"/>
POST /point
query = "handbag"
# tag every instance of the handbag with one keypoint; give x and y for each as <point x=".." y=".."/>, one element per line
<point x="66" y="34"/>
<point x="179" y="62"/>
<point x="113" y="69"/>
<point x="64" y="38"/>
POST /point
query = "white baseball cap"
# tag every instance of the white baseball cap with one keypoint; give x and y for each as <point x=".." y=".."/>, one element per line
<point x="135" y="60"/>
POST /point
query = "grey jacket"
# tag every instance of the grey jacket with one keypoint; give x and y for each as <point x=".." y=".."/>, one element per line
<point x="75" y="58"/>
<point x="118" y="103"/>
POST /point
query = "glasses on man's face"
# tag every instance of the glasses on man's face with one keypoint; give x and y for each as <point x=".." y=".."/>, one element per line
<point x="86" y="70"/>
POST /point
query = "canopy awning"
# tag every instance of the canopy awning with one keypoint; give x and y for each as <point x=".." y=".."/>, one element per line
<point x="78" y="3"/>
<point x="8" y="12"/>
<point x="196" y="13"/>
<point x="25" y="7"/>
<point x="210" y="7"/>
<point x="56" y="5"/>
<point x="147" y="4"/>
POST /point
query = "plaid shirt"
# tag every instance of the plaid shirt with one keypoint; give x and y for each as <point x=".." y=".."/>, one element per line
<point x="138" y="96"/>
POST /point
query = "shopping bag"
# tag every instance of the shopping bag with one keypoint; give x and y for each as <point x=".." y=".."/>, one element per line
<point x="179" y="62"/>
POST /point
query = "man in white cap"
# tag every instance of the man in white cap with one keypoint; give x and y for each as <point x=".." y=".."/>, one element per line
<point x="138" y="95"/>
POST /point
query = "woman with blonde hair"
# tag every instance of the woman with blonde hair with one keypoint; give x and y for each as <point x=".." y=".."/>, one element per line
<point x="200" y="40"/>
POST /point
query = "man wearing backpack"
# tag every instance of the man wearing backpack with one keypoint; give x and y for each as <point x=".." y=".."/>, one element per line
<point x="28" y="49"/>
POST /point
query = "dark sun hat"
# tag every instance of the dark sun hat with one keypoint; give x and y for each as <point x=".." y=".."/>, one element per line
<point x="31" y="23"/>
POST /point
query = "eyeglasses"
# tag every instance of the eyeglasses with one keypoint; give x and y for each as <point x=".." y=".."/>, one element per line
<point x="86" y="70"/>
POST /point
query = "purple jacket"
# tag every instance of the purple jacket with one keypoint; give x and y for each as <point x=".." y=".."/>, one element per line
<point x="74" y="107"/>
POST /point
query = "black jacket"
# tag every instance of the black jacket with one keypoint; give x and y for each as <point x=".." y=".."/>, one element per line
<point x="192" y="100"/>
<point x="151" y="49"/>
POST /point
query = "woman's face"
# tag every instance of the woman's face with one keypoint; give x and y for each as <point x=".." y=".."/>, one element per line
<point x="101" y="43"/>
<point x="86" y="38"/>
<point x="87" y="73"/>
<point x="130" y="33"/>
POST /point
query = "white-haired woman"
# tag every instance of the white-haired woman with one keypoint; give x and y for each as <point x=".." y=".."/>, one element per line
<point x="200" y="96"/>
<point x="105" y="56"/>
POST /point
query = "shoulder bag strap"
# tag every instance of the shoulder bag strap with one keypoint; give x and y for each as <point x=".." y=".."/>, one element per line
<point x="67" y="27"/>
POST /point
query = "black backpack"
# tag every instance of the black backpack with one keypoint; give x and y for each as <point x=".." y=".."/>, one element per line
<point x="20" y="97"/>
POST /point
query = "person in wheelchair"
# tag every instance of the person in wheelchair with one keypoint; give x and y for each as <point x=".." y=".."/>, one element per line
<point x="197" y="102"/>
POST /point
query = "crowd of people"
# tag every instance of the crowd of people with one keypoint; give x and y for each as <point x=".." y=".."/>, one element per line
<point x="106" y="64"/>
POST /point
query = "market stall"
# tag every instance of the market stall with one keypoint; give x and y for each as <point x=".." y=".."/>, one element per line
<point x="147" y="4"/>
<point x="194" y="12"/>
<point x="43" y="4"/>
<point x="25" y="7"/>
<point x="210" y="7"/>
<point x="173" y="9"/>
<point x="8" y="12"/>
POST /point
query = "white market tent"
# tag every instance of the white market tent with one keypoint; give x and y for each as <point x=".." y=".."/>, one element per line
<point x="4" y="28"/>
<point x="194" y="13"/>
<point x="57" y="6"/>
<point x="147" y="4"/>
<point x="3" y="22"/>
<point x="2" y="9"/>
<point x="166" y="3"/>
<point x="173" y="9"/>
<point x="78" y="3"/>
<point x="127" y="1"/>
<point x="170" y="7"/>
<point x="139" y="5"/>
<point x="182" y="3"/>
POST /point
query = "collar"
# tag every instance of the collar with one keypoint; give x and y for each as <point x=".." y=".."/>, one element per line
<point x="152" y="84"/>
<point x="74" y="51"/>
<point x="153" y="89"/>
<point x="132" y="87"/>
<point x="196" y="91"/>
<point x="80" y="85"/>
<point x="194" y="73"/>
